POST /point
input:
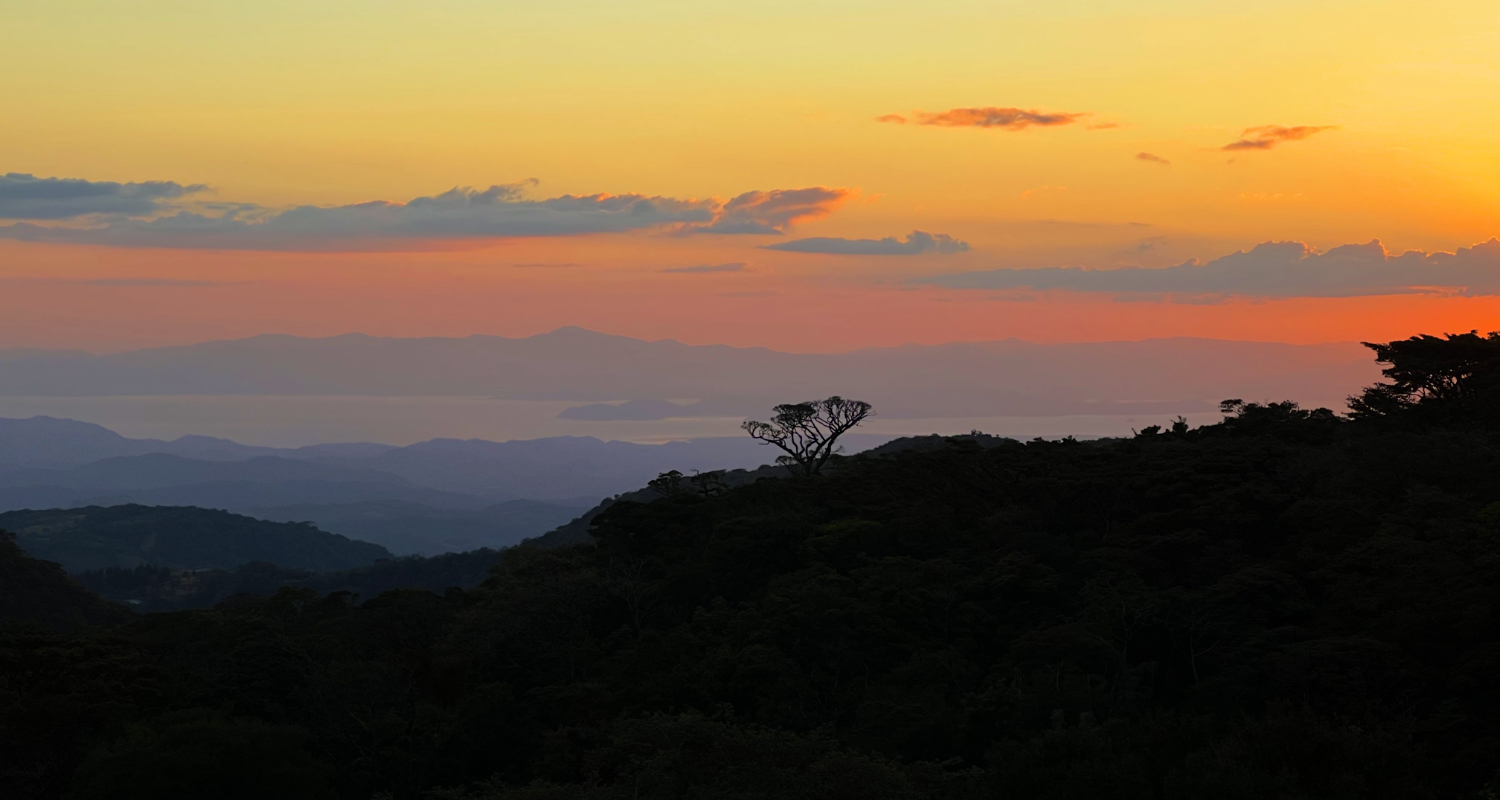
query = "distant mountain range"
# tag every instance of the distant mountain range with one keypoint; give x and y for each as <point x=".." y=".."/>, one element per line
<point x="446" y="495"/>
<point x="414" y="528"/>
<point x="442" y="495"/>
<point x="619" y="378"/>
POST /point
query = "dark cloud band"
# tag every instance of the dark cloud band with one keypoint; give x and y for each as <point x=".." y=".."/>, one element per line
<point x="24" y="196"/>
<point x="917" y="243"/>
<point x="460" y="213"/>
<point x="1273" y="269"/>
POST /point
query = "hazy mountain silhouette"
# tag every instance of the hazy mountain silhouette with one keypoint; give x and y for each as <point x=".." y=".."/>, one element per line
<point x="437" y="496"/>
<point x="48" y="442"/>
<point x="99" y="462"/>
<point x="1009" y="377"/>
<point x="159" y="470"/>
<point x="410" y="528"/>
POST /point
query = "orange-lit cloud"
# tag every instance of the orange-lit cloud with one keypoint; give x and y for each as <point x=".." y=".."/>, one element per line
<point x="1153" y="158"/>
<point x="1265" y="137"/>
<point x="772" y="212"/>
<point x="785" y="306"/>
<point x="1009" y="119"/>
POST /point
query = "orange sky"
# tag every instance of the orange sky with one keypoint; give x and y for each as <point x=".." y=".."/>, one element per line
<point x="1084" y="134"/>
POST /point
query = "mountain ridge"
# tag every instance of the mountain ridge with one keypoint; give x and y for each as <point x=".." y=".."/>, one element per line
<point x="179" y="537"/>
<point x="960" y="379"/>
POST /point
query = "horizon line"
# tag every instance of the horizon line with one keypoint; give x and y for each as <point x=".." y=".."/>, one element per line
<point x="34" y="351"/>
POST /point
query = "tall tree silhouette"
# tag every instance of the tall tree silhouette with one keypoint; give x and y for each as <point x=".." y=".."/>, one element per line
<point x="807" y="432"/>
<point x="1435" y="378"/>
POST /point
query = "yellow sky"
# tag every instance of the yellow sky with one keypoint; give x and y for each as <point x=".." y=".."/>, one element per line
<point x="326" y="103"/>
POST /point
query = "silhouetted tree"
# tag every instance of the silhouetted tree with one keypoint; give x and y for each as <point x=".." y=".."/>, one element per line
<point x="1439" y="377"/>
<point x="709" y="483"/>
<point x="667" y="483"/>
<point x="807" y="432"/>
<point x="674" y="482"/>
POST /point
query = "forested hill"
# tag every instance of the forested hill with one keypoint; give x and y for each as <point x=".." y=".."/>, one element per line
<point x="185" y="537"/>
<point x="39" y="592"/>
<point x="1289" y="604"/>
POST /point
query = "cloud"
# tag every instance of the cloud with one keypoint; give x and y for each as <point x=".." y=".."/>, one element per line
<point x="772" y="212"/>
<point x="1265" y="137"/>
<point x="702" y="268"/>
<point x="1269" y="270"/>
<point x="1010" y="119"/>
<point x="916" y="243"/>
<point x="1155" y="159"/>
<point x="24" y="196"/>
<point x="139" y="217"/>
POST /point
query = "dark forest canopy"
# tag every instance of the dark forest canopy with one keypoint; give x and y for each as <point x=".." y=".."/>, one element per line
<point x="183" y="537"/>
<point x="1288" y="604"/>
<point x="40" y="592"/>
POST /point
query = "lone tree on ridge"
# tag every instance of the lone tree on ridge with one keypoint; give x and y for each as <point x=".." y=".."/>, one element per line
<point x="807" y="431"/>
<point x="1445" y="378"/>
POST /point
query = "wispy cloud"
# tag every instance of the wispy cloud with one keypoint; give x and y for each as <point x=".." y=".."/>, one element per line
<point x="702" y="268"/>
<point x="1010" y="119"/>
<point x="1153" y="158"/>
<point x="772" y="212"/>
<point x="24" y="196"/>
<point x="1269" y="270"/>
<point x="916" y="243"/>
<point x="141" y="217"/>
<point x="1266" y="137"/>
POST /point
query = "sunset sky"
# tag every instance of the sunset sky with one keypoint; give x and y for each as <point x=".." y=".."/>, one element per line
<point x="807" y="176"/>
